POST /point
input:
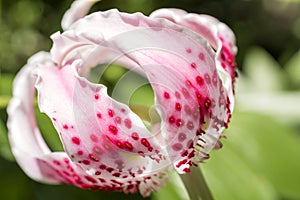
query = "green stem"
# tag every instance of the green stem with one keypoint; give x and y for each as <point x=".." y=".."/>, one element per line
<point x="195" y="185"/>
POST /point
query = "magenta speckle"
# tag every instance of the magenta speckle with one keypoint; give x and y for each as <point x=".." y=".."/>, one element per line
<point x="193" y="65"/>
<point x="199" y="80"/>
<point x="76" y="140"/>
<point x="207" y="78"/>
<point x="86" y="162"/>
<point x="128" y="146"/>
<point x="178" y="106"/>
<point x="201" y="56"/>
<point x="181" y="137"/>
<point x="171" y="119"/>
<point x="94" y="138"/>
<point x="179" y="122"/>
<point x="118" y="120"/>
<point x="177" y="94"/>
<point x="177" y="147"/>
<point x="190" y="125"/>
<point x="96" y="96"/>
<point x="128" y="123"/>
<point x="166" y="95"/>
<point x="99" y="115"/>
<point x="65" y="126"/>
<point x="188" y="83"/>
<point x="110" y="112"/>
<point x="135" y="136"/>
<point x="113" y="129"/>
<point x="188" y="50"/>
<point x="145" y="142"/>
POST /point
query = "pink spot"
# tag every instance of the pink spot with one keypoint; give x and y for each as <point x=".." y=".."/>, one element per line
<point x="181" y="137"/>
<point x="177" y="94"/>
<point x="187" y="109"/>
<point x="119" y="144"/>
<point x="182" y="162"/>
<point x="177" y="147"/>
<point x="65" y="126"/>
<point x="56" y="162"/>
<point x="199" y="80"/>
<point x="109" y="169"/>
<point x="190" y="144"/>
<point x="97" y="173"/>
<point x="80" y="153"/>
<point x="93" y="157"/>
<point x="99" y="115"/>
<point x="190" y="125"/>
<point x="102" y="180"/>
<point x="171" y="119"/>
<point x="54" y="119"/>
<point x="94" y="138"/>
<point x="66" y="160"/>
<point x="179" y="122"/>
<point x="188" y="83"/>
<point x="186" y="170"/>
<point x="201" y="56"/>
<point x="135" y="136"/>
<point x="188" y="50"/>
<point x="166" y="95"/>
<point x="86" y="162"/>
<point x="128" y="123"/>
<point x="76" y="177"/>
<point x="116" y="174"/>
<point x="207" y="78"/>
<point x="96" y="96"/>
<point x="76" y="140"/>
<point x="110" y="112"/>
<point x="113" y="129"/>
<point x="193" y="65"/>
<point x="123" y="110"/>
<point x="207" y="103"/>
<point x="215" y="80"/>
<point x="97" y="150"/>
<point x="118" y="120"/>
<point x="145" y="142"/>
<point x="102" y="167"/>
<point x="223" y="65"/>
<point x="178" y="106"/>
<point x="128" y="146"/>
<point x="198" y="96"/>
<point x="185" y="93"/>
<point x="90" y="179"/>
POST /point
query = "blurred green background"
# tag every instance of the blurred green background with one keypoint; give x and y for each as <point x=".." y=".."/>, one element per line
<point x="261" y="156"/>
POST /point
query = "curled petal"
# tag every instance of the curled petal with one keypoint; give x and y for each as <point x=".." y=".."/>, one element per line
<point x="89" y="168"/>
<point x="21" y="121"/>
<point x="218" y="34"/>
<point x="100" y="135"/>
<point x="181" y="68"/>
<point x="79" y="8"/>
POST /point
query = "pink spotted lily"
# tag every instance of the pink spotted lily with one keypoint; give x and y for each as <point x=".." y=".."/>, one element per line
<point x="190" y="64"/>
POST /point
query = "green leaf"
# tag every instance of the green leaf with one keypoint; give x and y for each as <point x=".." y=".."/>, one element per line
<point x="173" y="190"/>
<point x="263" y="71"/>
<point x="48" y="131"/>
<point x="5" y="151"/>
<point x="4" y="100"/>
<point x="6" y="81"/>
<point x="259" y="160"/>
<point x="268" y="147"/>
<point x="293" y="69"/>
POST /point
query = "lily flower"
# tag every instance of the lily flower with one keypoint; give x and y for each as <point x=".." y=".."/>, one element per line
<point x="189" y="62"/>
